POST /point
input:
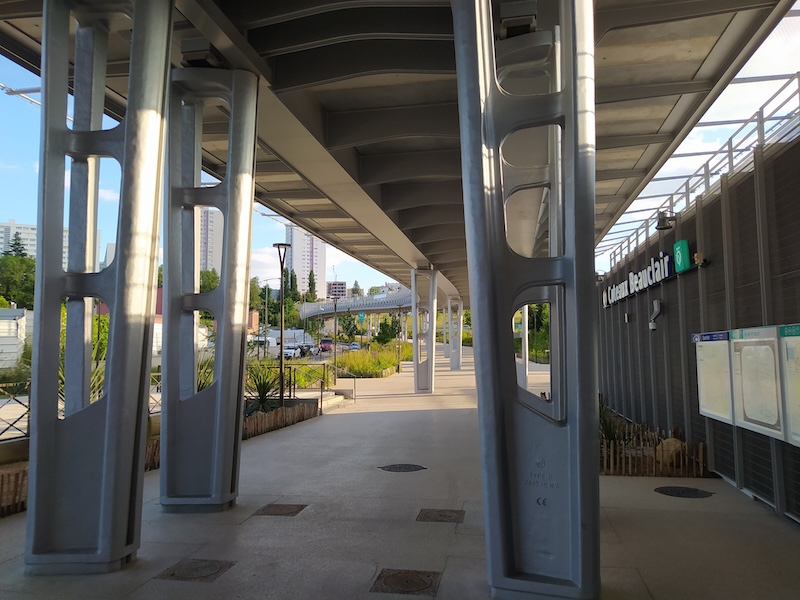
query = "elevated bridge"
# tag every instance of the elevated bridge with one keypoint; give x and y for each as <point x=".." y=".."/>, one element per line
<point x="386" y="303"/>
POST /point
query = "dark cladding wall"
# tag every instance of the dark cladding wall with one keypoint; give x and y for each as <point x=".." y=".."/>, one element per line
<point x="651" y="376"/>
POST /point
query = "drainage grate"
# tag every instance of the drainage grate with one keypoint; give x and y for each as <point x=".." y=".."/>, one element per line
<point x="193" y="569"/>
<point x="678" y="491"/>
<point x="403" y="468"/>
<point x="433" y="515"/>
<point x="415" y="583"/>
<point x="280" y="510"/>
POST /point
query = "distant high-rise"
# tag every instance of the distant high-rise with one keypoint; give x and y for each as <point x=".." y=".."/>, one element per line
<point x="306" y="254"/>
<point x="27" y="234"/>
<point x="211" y="236"/>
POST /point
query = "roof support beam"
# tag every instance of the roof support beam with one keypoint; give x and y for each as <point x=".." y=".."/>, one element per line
<point x="303" y="194"/>
<point x="649" y="13"/>
<point x="413" y="219"/>
<point x="659" y="90"/>
<point x="437" y="233"/>
<point x="608" y="142"/>
<point x="356" y="128"/>
<point x="376" y="169"/>
<point x="350" y="60"/>
<point x="317" y="31"/>
<point x="402" y="196"/>
<point x="247" y="12"/>
<point x="619" y="174"/>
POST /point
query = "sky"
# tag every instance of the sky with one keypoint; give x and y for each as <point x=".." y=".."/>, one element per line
<point x="778" y="55"/>
<point x="19" y="167"/>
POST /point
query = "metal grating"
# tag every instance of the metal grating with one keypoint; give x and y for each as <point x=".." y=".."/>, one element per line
<point x="280" y="510"/>
<point x="791" y="478"/>
<point x="757" y="458"/>
<point x="197" y="570"/>
<point x="435" y="515"/>
<point x="405" y="581"/>
<point x="723" y="449"/>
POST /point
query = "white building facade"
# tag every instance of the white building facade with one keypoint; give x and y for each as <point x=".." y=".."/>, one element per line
<point x="306" y="254"/>
<point x="27" y="234"/>
<point x="13" y="322"/>
<point x="211" y="238"/>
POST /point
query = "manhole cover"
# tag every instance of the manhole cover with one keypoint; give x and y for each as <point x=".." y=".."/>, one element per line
<point x="417" y="583"/>
<point x="433" y="515"/>
<point x="678" y="491"/>
<point x="403" y="468"/>
<point x="193" y="569"/>
<point x="281" y="510"/>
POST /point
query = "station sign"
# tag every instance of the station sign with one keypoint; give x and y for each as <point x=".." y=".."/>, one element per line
<point x="660" y="268"/>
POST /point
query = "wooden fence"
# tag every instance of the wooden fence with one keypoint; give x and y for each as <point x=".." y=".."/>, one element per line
<point x="14" y="490"/>
<point x="262" y="422"/>
<point x="635" y="450"/>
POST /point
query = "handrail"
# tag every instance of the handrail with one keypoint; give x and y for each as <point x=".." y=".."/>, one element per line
<point x="778" y="119"/>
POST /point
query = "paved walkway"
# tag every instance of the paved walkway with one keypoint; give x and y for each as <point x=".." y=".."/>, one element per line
<point x="360" y="519"/>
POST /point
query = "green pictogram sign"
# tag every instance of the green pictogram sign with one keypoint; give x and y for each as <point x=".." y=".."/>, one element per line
<point x="683" y="261"/>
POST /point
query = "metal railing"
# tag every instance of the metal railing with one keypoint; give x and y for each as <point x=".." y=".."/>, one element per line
<point x="14" y="410"/>
<point x="777" y="121"/>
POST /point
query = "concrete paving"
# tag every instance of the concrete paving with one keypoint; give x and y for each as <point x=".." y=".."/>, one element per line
<point x="360" y="519"/>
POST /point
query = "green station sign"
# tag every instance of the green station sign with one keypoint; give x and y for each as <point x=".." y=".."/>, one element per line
<point x="680" y="252"/>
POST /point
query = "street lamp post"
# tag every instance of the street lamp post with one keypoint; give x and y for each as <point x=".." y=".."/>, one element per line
<point x="335" y="335"/>
<point x="282" y="247"/>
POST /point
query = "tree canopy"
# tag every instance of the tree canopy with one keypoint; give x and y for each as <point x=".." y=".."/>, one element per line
<point x="311" y="294"/>
<point x="17" y="277"/>
<point x="374" y="290"/>
<point x="208" y="280"/>
<point x="357" y="291"/>
<point x="16" y="247"/>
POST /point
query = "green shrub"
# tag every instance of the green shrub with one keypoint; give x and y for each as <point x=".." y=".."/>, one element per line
<point x="262" y="387"/>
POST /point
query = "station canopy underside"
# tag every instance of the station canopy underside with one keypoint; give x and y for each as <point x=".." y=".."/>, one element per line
<point x="358" y="133"/>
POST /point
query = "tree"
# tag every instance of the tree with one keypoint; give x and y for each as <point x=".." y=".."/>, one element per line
<point x="357" y="291"/>
<point x="388" y="330"/>
<point x="375" y="290"/>
<point x="348" y="324"/>
<point x="467" y="318"/>
<point x="208" y="280"/>
<point x="311" y="294"/>
<point x="256" y="302"/>
<point x="293" y="292"/>
<point x="160" y="275"/>
<point x="3" y="302"/>
<point x="16" y="247"/>
<point x="17" y="278"/>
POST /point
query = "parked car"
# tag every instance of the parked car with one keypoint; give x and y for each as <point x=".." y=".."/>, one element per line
<point x="291" y="351"/>
<point x="326" y="344"/>
<point x="309" y="349"/>
<point x="355" y="346"/>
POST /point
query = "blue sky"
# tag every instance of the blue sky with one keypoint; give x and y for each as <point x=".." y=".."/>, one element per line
<point x="19" y="165"/>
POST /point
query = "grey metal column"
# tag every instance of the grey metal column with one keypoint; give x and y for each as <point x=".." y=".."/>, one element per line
<point x="539" y="456"/>
<point x="522" y="373"/>
<point x="94" y="525"/>
<point x="446" y="329"/>
<point x="456" y="311"/>
<point x="201" y="430"/>
<point x="423" y="327"/>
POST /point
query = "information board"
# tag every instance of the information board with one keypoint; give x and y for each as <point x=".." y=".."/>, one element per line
<point x="790" y="356"/>
<point x="757" y="397"/>
<point x="714" y="374"/>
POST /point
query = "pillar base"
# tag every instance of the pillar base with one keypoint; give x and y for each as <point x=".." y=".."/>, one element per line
<point x="197" y="508"/>
<point x="77" y="568"/>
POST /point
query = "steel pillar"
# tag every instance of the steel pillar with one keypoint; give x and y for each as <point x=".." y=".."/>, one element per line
<point x="455" y="313"/>
<point x="423" y="327"/>
<point x="540" y="456"/>
<point x="87" y="463"/>
<point x="201" y="429"/>
<point x="522" y="371"/>
<point x="446" y="330"/>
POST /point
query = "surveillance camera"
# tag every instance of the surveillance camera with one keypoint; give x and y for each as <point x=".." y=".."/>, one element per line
<point x="653" y="325"/>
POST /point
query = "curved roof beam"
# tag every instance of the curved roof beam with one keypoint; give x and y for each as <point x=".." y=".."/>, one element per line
<point x="376" y="169"/>
<point x="320" y="30"/>
<point x="247" y="12"/>
<point x="361" y="127"/>
<point x="350" y="60"/>
<point x="402" y="196"/>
